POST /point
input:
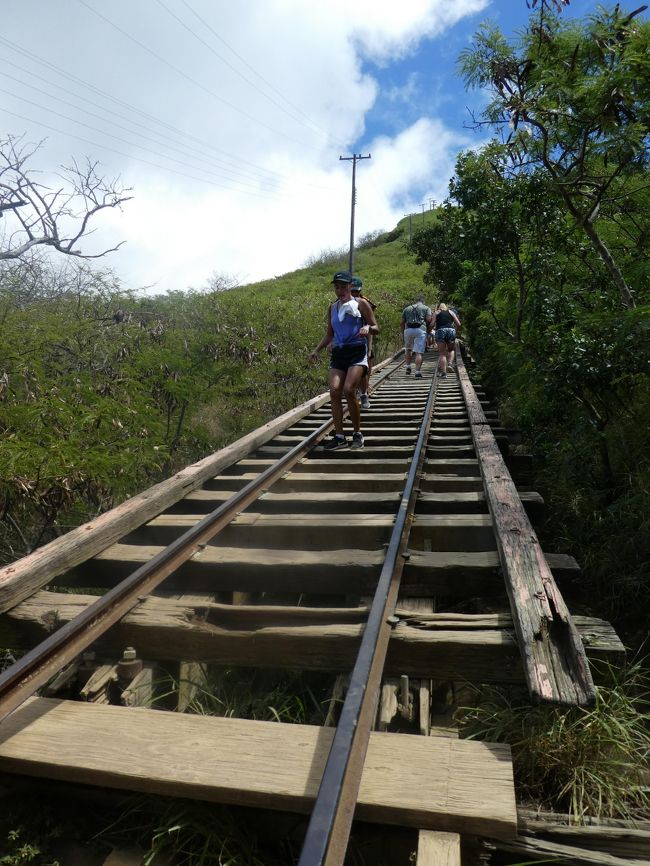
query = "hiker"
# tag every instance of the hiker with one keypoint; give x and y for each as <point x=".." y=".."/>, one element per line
<point x="416" y="322"/>
<point x="451" y="360"/>
<point x="349" y="323"/>
<point x="446" y="323"/>
<point x="357" y="292"/>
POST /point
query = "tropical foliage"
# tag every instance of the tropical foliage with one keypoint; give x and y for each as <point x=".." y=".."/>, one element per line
<point x="542" y="243"/>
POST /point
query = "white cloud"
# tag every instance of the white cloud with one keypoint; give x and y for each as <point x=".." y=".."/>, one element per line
<point x="256" y="186"/>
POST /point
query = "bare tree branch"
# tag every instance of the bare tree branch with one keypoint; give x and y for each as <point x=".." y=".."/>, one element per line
<point x="37" y="215"/>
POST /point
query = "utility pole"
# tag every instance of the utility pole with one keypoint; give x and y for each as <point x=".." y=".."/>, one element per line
<point x="410" y="216"/>
<point x="422" y="206"/>
<point x="354" y="158"/>
<point x="431" y="203"/>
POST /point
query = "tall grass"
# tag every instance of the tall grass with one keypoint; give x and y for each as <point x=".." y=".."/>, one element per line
<point x="296" y="697"/>
<point x="582" y="761"/>
<point x="198" y="834"/>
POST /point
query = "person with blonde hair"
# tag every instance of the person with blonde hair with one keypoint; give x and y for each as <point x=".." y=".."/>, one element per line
<point x="446" y="322"/>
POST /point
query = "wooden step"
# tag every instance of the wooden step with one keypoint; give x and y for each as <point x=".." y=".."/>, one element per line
<point x="421" y="782"/>
<point x="476" y="648"/>
<point x="304" y="502"/>
<point x="451" y="574"/>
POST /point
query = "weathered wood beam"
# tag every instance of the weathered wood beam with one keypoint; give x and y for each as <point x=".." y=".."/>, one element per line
<point x="479" y="648"/>
<point x="553" y="656"/>
<point x="624" y="839"/>
<point x="543" y="849"/>
<point x="441" y="532"/>
<point x="422" y="782"/>
<point x="450" y="574"/>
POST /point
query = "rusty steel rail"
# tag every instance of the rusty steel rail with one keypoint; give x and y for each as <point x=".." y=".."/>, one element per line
<point x="328" y="832"/>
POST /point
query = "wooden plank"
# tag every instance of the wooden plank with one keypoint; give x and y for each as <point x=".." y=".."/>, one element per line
<point x="327" y="531"/>
<point x="339" y="501"/>
<point x="554" y="658"/>
<point x="473" y="501"/>
<point x="423" y="782"/>
<point x="252" y="529"/>
<point x="438" y="849"/>
<point x="452" y="574"/>
<point x="478" y="648"/>
<point x="375" y="480"/>
<point x="228" y="569"/>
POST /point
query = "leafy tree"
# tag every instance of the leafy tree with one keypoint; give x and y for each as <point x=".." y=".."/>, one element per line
<point x="574" y="100"/>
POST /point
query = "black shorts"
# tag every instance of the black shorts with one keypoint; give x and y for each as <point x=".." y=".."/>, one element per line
<point x="344" y="357"/>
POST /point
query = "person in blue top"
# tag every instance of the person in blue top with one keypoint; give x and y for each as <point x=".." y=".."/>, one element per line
<point x="349" y="322"/>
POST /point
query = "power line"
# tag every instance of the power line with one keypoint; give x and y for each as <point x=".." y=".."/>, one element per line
<point x="110" y="134"/>
<point x="136" y="158"/>
<point x="221" y="166"/>
<point x="103" y="94"/>
<point x="252" y="168"/>
<point x="290" y="114"/>
<point x="185" y="75"/>
<point x="253" y="70"/>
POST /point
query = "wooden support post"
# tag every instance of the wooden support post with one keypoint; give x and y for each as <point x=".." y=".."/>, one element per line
<point x="438" y="849"/>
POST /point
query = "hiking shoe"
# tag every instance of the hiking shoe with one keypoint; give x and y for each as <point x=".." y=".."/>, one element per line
<point x="418" y="375"/>
<point x="365" y="402"/>
<point x="336" y="443"/>
<point x="442" y="375"/>
<point x="357" y="440"/>
<point x="407" y="369"/>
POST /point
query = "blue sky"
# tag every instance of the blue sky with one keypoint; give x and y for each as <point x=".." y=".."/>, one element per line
<point x="227" y="120"/>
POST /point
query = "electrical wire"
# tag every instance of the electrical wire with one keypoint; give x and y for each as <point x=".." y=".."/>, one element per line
<point x="252" y="169"/>
<point x="30" y="55"/>
<point x="252" y="84"/>
<point x="252" y="69"/>
<point x="139" y="158"/>
<point x="189" y="78"/>
<point x="222" y="167"/>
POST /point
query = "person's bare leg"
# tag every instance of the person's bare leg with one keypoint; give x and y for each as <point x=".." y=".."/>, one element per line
<point x="336" y="380"/>
<point x="442" y="358"/>
<point x="352" y="380"/>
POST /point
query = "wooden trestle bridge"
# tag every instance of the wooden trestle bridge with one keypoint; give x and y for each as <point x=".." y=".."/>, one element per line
<point x="276" y="553"/>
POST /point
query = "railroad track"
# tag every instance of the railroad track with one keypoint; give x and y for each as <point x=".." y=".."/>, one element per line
<point x="398" y="568"/>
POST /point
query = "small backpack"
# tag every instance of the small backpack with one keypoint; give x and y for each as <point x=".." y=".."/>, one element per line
<point x="414" y="316"/>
